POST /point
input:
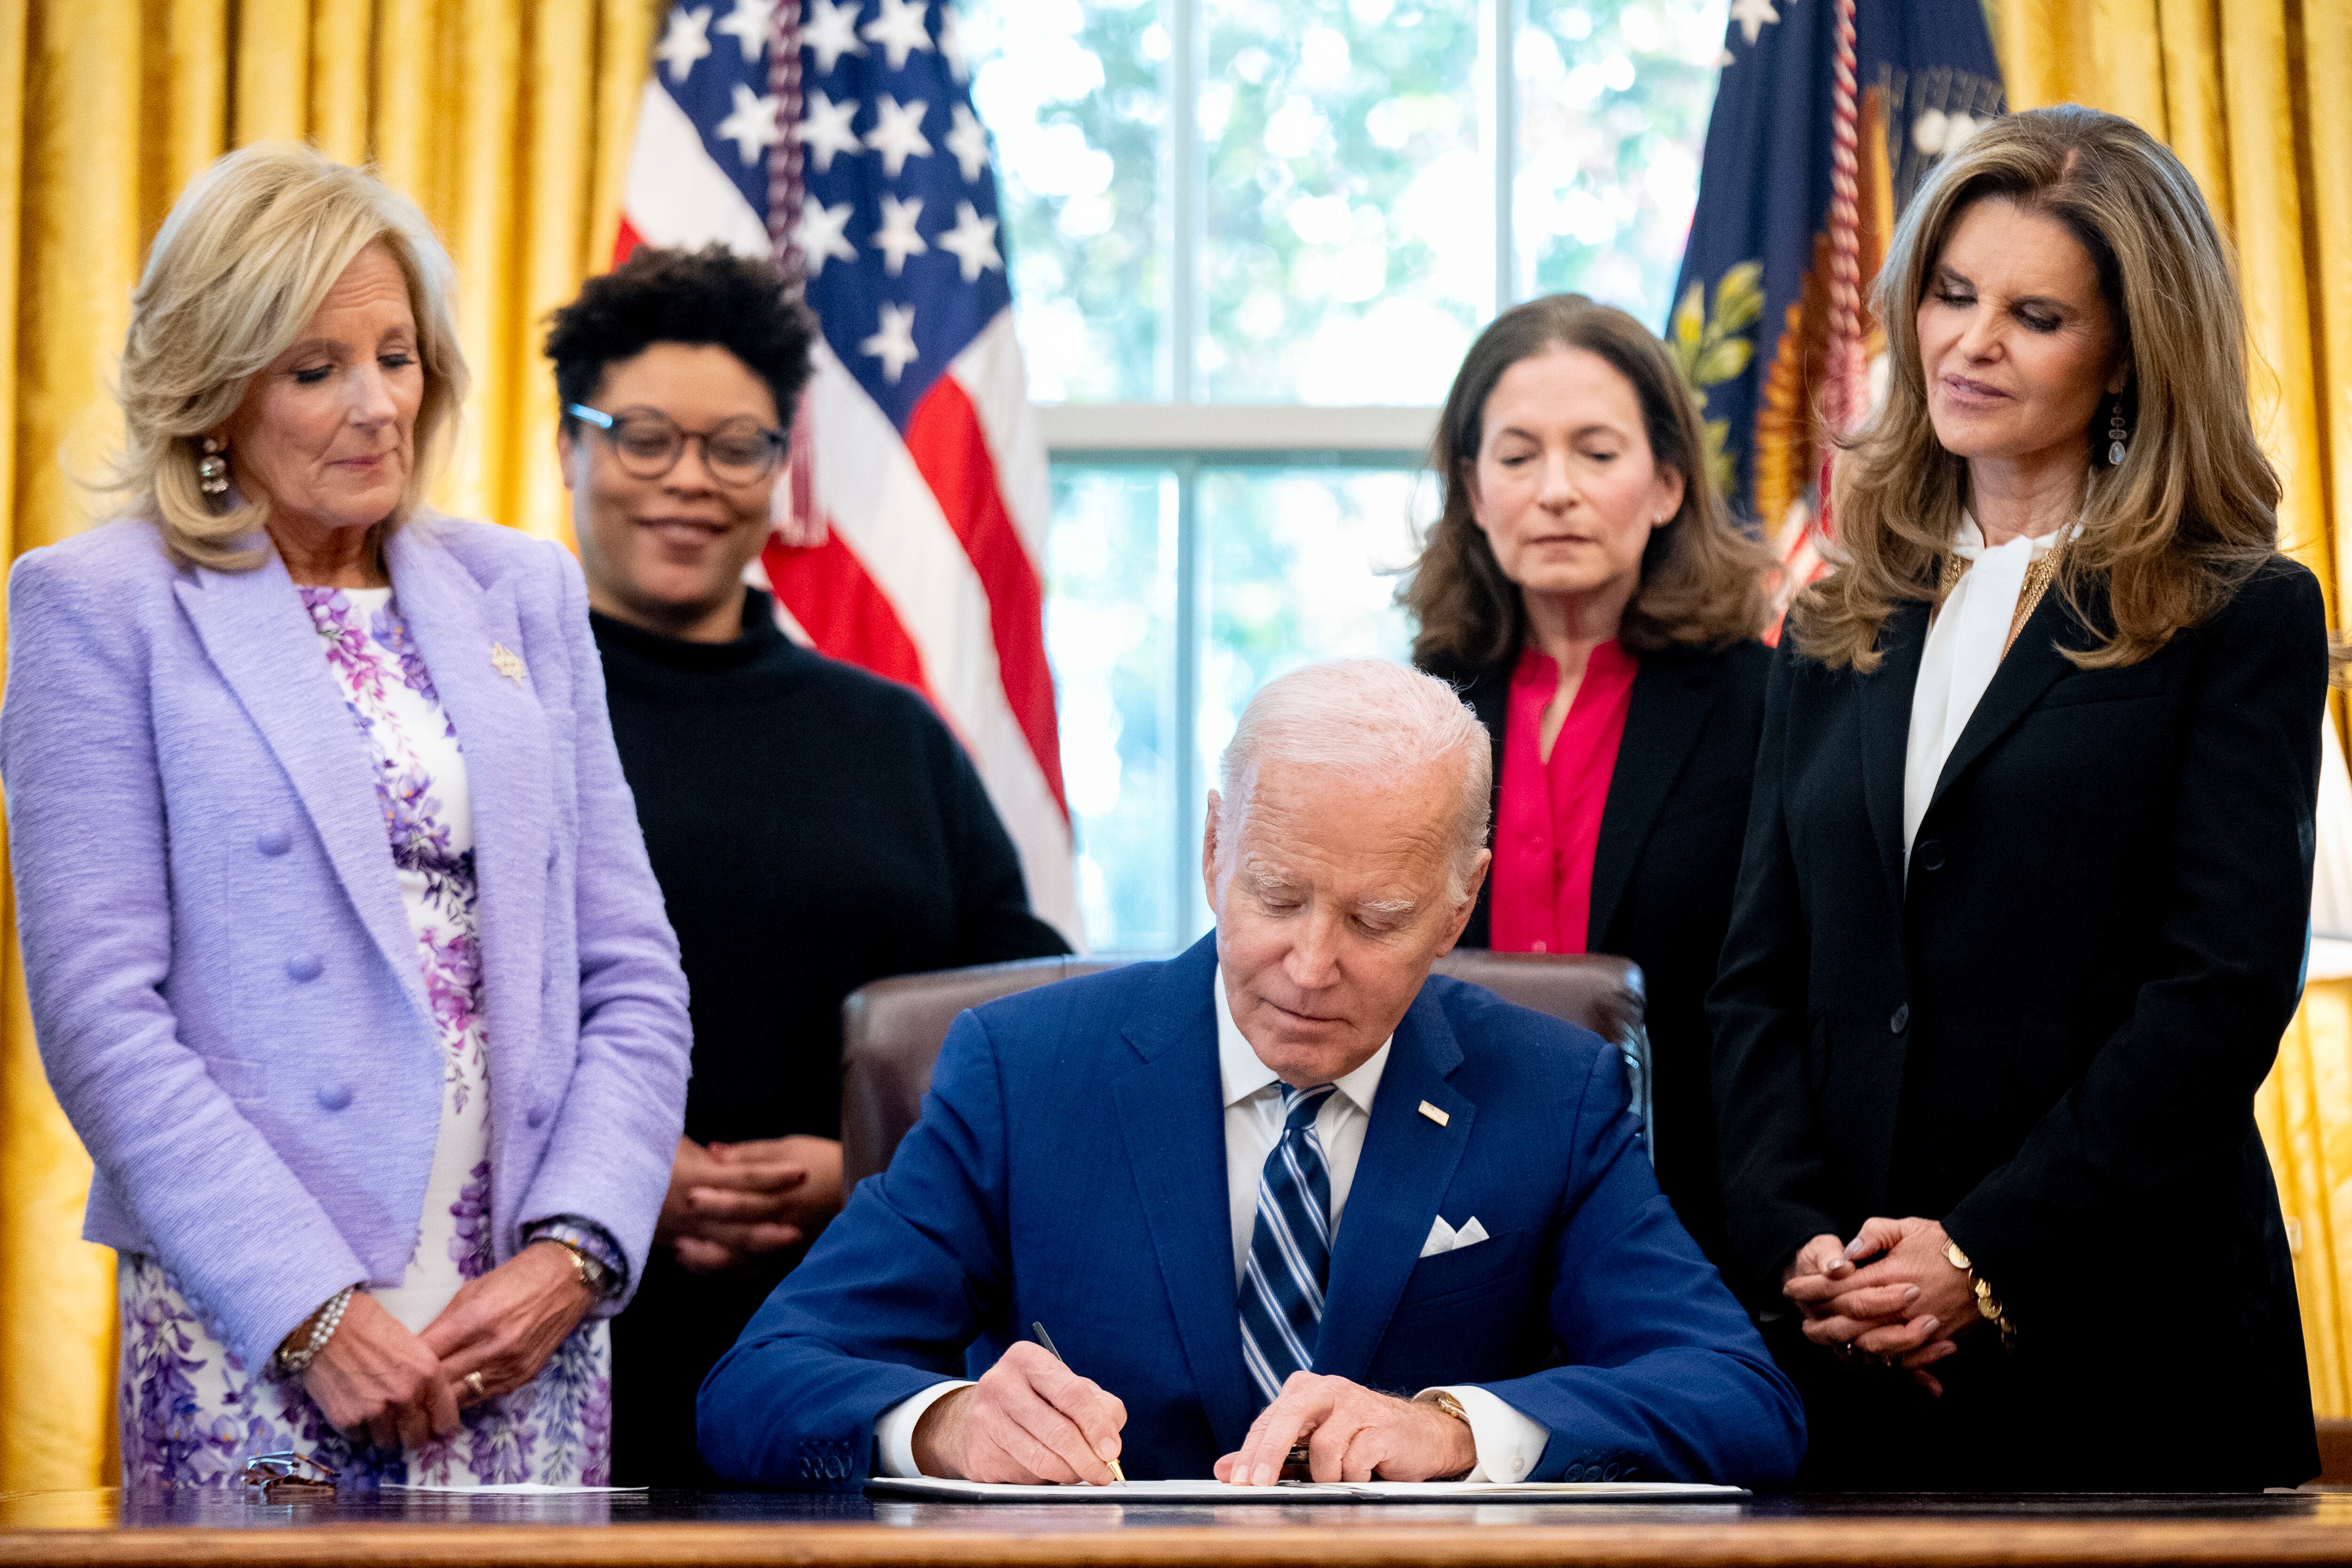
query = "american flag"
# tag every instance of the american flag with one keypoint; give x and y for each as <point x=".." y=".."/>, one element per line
<point x="840" y="138"/>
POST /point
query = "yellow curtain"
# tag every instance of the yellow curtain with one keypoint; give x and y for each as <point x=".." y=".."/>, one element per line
<point x="2252" y="94"/>
<point x="509" y="121"/>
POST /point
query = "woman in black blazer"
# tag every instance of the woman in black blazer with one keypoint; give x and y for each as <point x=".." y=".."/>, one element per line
<point x="1586" y="578"/>
<point x="2024" y="895"/>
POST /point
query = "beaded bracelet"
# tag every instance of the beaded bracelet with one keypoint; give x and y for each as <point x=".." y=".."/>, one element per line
<point x="323" y="1324"/>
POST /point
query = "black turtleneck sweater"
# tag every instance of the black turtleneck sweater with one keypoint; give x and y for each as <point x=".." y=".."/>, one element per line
<point x="813" y="827"/>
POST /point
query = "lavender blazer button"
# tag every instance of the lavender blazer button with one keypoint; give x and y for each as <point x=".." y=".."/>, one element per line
<point x="274" y="842"/>
<point x="305" y="966"/>
<point x="538" y="1112"/>
<point x="334" y="1096"/>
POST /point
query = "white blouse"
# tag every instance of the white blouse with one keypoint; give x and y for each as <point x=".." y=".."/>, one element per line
<point x="1965" y="642"/>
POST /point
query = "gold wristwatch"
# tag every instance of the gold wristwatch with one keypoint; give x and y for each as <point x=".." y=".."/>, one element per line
<point x="1453" y="1406"/>
<point x="591" y="1275"/>
<point x="1988" y="1305"/>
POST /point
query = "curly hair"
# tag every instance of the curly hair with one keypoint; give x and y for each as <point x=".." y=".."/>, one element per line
<point x="710" y="296"/>
<point x="2189" y="515"/>
<point x="1703" y="580"/>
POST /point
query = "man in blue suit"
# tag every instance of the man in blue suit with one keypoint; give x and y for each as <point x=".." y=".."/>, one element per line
<point x="1285" y="1187"/>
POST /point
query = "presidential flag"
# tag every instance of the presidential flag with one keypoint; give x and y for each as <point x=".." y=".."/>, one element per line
<point x="841" y="139"/>
<point x="1827" y="117"/>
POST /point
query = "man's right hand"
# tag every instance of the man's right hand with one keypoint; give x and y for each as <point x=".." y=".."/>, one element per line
<point x="374" y="1374"/>
<point x="1029" y="1419"/>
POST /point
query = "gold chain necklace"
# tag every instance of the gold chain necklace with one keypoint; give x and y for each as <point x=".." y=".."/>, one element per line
<point x="2038" y="574"/>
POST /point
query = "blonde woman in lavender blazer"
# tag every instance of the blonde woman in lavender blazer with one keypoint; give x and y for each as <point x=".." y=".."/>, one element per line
<point x="344" y="956"/>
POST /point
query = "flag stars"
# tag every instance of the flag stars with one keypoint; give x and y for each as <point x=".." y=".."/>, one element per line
<point x="972" y="242"/>
<point x="897" y="133"/>
<point x="822" y="235"/>
<point x="824" y="129"/>
<point x="753" y="126"/>
<point x="686" y="42"/>
<point x="1752" y="15"/>
<point x="899" y="30"/>
<point x="753" y="24"/>
<point x="831" y="29"/>
<point x="896" y="239"/>
<point x="894" y="346"/>
<point x="951" y="48"/>
<point x="968" y="140"/>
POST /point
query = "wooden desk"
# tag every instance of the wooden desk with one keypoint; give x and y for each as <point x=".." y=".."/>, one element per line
<point x="675" y="1528"/>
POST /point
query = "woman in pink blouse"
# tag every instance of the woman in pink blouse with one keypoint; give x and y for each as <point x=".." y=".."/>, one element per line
<point x="1588" y="592"/>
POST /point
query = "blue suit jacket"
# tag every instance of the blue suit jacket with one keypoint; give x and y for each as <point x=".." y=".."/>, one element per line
<point x="224" y="982"/>
<point x="1069" y="1167"/>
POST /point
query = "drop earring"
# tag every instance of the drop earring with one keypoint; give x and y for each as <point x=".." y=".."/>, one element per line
<point x="2117" y="436"/>
<point x="212" y="469"/>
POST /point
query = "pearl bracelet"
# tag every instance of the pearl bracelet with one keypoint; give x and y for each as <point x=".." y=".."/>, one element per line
<point x="323" y="1324"/>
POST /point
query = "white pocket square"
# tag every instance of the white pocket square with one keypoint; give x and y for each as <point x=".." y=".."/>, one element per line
<point x="1444" y="1238"/>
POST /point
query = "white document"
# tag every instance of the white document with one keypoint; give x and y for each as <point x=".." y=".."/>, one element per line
<point x="932" y="1490"/>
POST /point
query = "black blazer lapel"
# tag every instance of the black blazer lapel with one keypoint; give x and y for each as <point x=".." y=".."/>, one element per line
<point x="1885" y="715"/>
<point x="1172" y="1113"/>
<point x="1671" y="699"/>
<point x="2033" y="665"/>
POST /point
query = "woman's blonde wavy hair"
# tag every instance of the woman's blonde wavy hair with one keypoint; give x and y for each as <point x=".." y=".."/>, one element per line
<point x="2170" y="534"/>
<point x="1703" y="580"/>
<point x="238" y="270"/>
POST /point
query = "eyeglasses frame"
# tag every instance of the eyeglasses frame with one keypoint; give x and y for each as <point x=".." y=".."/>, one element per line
<point x="778" y="443"/>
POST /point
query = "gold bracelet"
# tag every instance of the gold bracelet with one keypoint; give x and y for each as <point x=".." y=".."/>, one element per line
<point x="1988" y="1305"/>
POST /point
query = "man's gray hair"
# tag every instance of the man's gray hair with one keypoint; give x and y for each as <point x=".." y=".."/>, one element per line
<point x="1365" y="721"/>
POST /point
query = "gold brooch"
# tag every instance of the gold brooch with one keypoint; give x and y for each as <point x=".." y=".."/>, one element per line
<point x="506" y="662"/>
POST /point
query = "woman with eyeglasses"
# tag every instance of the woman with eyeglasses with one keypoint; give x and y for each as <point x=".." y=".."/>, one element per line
<point x="812" y="826"/>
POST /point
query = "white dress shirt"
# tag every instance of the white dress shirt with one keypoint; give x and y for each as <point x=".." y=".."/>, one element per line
<point x="1508" y="1440"/>
<point x="1965" y="643"/>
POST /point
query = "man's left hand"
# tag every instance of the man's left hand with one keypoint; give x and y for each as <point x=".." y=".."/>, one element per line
<point x="1352" y="1434"/>
<point x="507" y="1324"/>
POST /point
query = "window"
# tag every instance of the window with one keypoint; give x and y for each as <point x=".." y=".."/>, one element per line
<point x="1250" y="241"/>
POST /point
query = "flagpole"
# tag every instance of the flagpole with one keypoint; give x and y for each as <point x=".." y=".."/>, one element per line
<point x="1842" y="394"/>
<point x="1845" y="395"/>
<point x="785" y="187"/>
<point x="797" y="519"/>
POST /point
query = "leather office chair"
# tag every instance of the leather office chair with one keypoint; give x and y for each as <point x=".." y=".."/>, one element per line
<point x="891" y="1030"/>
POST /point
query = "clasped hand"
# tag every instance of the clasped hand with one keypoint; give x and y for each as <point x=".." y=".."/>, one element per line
<point x="1890" y="1293"/>
<point x="402" y="1388"/>
<point x="730" y="1204"/>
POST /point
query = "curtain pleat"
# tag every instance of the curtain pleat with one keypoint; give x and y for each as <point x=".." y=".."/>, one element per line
<point x="509" y="123"/>
<point x="2252" y="94"/>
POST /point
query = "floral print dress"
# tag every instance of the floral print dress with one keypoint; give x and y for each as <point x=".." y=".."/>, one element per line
<point x="191" y="1411"/>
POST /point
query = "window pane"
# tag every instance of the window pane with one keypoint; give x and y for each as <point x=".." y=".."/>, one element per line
<point x="1302" y="564"/>
<point x="1613" y="96"/>
<point x="1350" y="207"/>
<point x="1110" y="633"/>
<point x="1073" y="95"/>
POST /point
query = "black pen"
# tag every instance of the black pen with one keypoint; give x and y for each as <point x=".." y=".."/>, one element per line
<point x="1048" y="1340"/>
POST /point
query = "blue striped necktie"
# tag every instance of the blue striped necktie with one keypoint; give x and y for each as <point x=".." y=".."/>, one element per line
<point x="1290" y="1249"/>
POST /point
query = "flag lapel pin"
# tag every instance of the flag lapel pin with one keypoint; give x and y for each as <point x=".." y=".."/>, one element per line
<point x="506" y="662"/>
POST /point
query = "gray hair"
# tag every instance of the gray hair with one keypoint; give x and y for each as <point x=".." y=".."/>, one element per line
<point x="238" y="270"/>
<point x="1365" y="721"/>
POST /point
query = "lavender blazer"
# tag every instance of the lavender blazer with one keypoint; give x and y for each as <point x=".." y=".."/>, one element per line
<point x="224" y="982"/>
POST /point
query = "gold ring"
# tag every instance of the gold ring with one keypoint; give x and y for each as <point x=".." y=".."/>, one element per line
<point x="474" y="1382"/>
